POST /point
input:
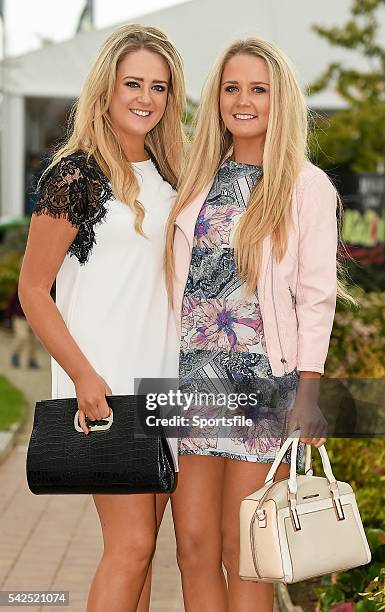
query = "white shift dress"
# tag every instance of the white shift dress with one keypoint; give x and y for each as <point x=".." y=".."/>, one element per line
<point x="110" y="288"/>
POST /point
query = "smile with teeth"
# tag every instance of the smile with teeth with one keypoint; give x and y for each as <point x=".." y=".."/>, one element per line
<point x="244" y="117"/>
<point x="140" y="113"/>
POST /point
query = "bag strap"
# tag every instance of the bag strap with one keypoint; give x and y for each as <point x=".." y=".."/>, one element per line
<point x="308" y="464"/>
<point x="280" y="455"/>
<point x="292" y="441"/>
<point x="292" y="487"/>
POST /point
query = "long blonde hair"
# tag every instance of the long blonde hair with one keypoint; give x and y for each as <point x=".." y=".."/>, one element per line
<point x="92" y="130"/>
<point x="285" y="151"/>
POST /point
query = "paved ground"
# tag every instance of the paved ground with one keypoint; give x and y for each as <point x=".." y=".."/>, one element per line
<point x="54" y="542"/>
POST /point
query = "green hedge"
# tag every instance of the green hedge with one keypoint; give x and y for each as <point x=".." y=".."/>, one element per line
<point x="357" y="345"/>
<point x="12" y="246"/>
<point x="357" y="349"/>
<point x="12" y="404"/>
<point x="9" y="273"/>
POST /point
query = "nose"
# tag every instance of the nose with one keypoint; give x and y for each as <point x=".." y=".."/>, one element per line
<point x="145" y="95"/>
<point x="243" y="99"/>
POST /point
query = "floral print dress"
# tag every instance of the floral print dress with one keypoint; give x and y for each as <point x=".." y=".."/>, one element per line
<point x="223" y="345"/>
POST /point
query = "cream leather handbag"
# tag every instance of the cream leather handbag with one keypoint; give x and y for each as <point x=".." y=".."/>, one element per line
<point x="302" y="526"/>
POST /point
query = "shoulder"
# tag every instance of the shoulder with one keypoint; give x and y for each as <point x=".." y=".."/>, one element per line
<point x="74" y="188"/>
<point x="76" y="167"/>
<point x="75" y="178"/>
<point x="311" y="177"/>
<point x="314" y="190"/>
<point x="61" y="191"/>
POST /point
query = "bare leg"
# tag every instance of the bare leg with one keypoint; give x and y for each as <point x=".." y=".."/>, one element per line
<point x="144" y="602"/>
<point x="129" y="534"/>
<point x="241" y="479"/>
<point x="196" y="506"/>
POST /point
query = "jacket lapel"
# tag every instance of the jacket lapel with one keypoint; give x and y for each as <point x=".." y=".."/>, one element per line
<point x="186" y="219"/>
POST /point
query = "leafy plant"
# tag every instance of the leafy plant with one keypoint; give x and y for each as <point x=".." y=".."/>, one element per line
<point x="12" y="404"/>
<point x="362" y="464"/>
<point x="354" y="136"/>
<point x="9" y="273"/>
<point x="15" y="237"/>
<point x="357" y="344"/>
<point x="12" y="246"/>
<point x="375" y="593"/>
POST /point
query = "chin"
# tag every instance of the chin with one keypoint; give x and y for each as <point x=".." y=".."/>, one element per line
<point x="136" y="130"/>
<point x="246" y="134"/>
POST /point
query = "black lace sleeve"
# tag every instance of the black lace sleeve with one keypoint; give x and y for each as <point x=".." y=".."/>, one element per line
<point x="77" y="190"/>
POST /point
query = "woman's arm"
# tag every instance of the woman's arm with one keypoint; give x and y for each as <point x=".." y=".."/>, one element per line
<point x="317" y="271"/>
<point x="316" y="300"/>
<point x="48" y="241"/>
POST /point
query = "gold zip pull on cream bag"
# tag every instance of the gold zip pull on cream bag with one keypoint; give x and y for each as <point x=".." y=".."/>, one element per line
<point x="302" y="526"/>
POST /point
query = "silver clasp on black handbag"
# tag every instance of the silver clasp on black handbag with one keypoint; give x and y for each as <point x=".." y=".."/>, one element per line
<point x="95" y="427"/>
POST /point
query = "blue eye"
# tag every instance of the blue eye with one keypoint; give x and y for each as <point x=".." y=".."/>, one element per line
<point x="259" y="89"/>
<point x="135" y="85"/>
<point x="231" y="88"/>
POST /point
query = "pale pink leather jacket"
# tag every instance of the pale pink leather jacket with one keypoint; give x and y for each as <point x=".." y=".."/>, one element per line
<point x="297" y="296"/>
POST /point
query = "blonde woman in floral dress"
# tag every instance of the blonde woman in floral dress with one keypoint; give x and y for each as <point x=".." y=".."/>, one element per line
<point x="252" y="273"/>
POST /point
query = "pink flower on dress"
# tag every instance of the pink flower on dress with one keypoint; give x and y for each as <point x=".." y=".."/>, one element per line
<point x="226" y="325"/>
<point x="214" y="225"/>
<point x="257" y="439"/>
<point x="198" y="434"/>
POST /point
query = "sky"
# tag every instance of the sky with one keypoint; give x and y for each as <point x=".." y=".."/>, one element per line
<point x="30" y="21"/>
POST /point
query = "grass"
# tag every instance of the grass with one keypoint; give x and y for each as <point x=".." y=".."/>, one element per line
<point x="12" y="404"/>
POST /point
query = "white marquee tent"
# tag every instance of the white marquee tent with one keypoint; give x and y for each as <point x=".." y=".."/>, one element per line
<point x="200" y="29"/>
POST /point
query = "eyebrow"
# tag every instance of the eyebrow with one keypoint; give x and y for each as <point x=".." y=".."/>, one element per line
<point x="252" y="83"/>
<point x="142" y="80"/>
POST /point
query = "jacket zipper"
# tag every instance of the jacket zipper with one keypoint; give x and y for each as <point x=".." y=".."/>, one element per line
<point x="292" y="296"/>
<point x="283" y="360"/>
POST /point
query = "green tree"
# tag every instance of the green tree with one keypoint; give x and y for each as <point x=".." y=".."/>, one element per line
<point x="355" y="136"/>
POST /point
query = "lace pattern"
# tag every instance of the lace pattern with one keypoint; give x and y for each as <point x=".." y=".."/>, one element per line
<point x="76" y="189"/>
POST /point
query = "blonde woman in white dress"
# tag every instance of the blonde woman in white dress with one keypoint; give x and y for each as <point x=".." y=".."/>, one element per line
<point x="98" y="229"/>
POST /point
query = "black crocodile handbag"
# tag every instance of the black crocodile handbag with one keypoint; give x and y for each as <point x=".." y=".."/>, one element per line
<point x="115" y="457"/>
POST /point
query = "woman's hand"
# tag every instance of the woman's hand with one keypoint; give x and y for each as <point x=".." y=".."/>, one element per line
<point x="310" y="420"/>
<point x="306" y="414"/>
<point x="91" y="391"/>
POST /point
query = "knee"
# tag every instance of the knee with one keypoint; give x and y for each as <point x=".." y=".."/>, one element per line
<point x="195" y="553"/>
<point x="230" y="553"/>
<point x="187" y="550"/>
<point x="134" y="552"/>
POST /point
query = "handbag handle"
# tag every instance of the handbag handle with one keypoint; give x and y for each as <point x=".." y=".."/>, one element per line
<point x="292" y="482"/>
<point x="281" y="453"/>
<point x="293" y="440"/>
